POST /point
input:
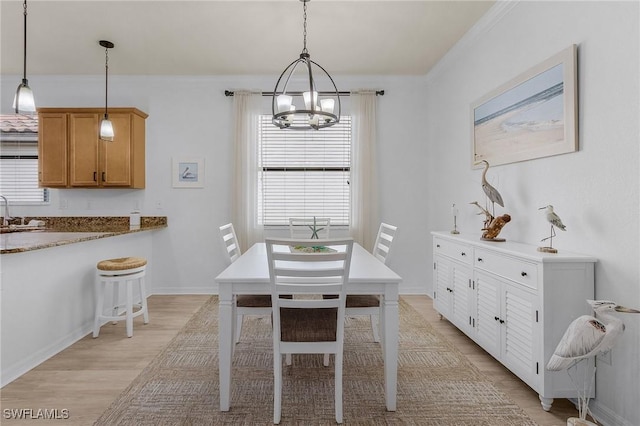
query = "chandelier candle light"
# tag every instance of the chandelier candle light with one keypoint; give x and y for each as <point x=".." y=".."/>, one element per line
<point x="23" y="102"/>
<point x="318" y="108"/>
<point x="106" y="127"/>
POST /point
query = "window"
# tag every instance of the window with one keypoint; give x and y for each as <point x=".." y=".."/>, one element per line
<point x="303" y="173"/>
<point x="19" y="161"/>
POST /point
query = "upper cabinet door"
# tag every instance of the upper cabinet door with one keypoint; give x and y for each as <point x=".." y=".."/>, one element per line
<point x="115" y="156"/>
<point x="83" y="149"/>
<point x="52" y="150"/>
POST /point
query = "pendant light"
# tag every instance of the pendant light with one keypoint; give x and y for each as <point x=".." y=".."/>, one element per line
<point x="106" y="127"/>
<point x="23" y="102"/>
<point x="316" y="108"/>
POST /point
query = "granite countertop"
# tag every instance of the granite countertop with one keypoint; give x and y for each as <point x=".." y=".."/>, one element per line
<point x="69" y="230"/>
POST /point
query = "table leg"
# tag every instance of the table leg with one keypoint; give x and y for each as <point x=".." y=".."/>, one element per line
<point x="390" y="318"/>
<point x="225" y="355"/>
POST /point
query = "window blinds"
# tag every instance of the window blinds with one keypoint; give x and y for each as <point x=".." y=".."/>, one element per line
<point x="304" y="173"/>
<point x="19" y="173"/>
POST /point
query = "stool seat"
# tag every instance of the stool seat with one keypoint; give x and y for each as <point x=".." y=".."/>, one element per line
<point x="121" y="263"/>
<point x="127" y="271"/>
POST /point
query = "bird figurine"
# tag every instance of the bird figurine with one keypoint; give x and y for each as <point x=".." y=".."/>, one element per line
<point x="555" y="222"/>
<point x="589" y="336"/>
<point x="586" y="337"/>
<point x="492" y="194"/>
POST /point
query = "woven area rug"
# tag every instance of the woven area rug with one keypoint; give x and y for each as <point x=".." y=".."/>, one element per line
<point x="437" y="385"/>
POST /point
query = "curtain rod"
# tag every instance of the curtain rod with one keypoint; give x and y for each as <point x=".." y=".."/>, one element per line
<point x="378" y="93"/>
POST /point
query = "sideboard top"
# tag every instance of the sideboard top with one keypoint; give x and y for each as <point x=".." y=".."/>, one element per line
<point x="528" y="251"/>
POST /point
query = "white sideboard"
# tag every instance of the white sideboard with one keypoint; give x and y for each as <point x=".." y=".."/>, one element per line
<point x="513" y="301"/>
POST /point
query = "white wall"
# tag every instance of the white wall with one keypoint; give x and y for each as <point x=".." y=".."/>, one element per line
<point x="191" y="117"/>
<point x="594" y="190"/>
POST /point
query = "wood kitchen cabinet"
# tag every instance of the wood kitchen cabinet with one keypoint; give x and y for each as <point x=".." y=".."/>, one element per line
<point x="71" y="154"/>
<point x="513" y="301"/>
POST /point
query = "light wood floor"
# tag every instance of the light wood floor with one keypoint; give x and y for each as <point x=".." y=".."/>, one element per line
<point x="85" y="378"/>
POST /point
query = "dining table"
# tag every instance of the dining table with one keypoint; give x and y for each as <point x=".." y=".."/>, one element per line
<point x="249" y="274"/>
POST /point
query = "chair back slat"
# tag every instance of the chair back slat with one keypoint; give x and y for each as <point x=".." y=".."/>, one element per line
<point x="385" y="237"/>
<point x="303" y="227"/>
<point x="230" y="241"/>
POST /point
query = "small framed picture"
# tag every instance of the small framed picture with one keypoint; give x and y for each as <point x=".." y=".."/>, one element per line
<point x="188" y="172"/>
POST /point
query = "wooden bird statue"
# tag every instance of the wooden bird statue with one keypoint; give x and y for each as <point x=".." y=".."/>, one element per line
<point x="492" y="194"/>
<point x="555" y="222"/>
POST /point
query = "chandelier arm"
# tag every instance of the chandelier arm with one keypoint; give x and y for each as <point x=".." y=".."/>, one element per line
<point x="334" y="85"/>
<point x="293" y="64"/>
<point x="311" y="85"/>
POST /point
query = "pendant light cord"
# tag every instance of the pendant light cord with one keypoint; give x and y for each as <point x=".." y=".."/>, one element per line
<point x="106" y="81"/>
<point x="24" y="75"/>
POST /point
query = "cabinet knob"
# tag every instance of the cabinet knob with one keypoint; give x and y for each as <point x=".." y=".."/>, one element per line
<point x="438" y="245"/>
<point x="463" y="254"/>
<point x="496" y="318"/>
<point x="524" y="274"/>
<point x="479" y="259"/>
<point x="501" y="321"/>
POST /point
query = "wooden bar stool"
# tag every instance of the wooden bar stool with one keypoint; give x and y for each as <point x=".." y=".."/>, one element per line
<point x="116" y="271"/>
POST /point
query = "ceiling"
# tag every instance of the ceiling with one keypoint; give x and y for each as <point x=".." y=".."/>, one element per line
<point x="214" y="37"/>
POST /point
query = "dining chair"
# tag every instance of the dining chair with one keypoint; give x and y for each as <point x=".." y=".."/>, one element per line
<point x="309" y="227"/>
<point x="246" y="304"/>
<point x="369" y="304"/>
<point x="308" y="323"/>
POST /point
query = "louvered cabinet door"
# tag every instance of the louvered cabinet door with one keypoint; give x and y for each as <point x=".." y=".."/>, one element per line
<point x="488" y="330"/>
<point x="519" y="312"/>
<point x="442" y="277"/>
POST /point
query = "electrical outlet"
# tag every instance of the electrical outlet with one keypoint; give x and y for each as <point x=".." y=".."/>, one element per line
<point x="159" y="205"/>
<point x="136" y="205"/>
<point x="605" y="357"/>
<point x="89" y="204"/>
<point x="64" y="204"/>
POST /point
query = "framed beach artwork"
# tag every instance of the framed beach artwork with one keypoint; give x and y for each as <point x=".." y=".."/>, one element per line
<point x="188" y="172"/>
<point x="532" y="116"/>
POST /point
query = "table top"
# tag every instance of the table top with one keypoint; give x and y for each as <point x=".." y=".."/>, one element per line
<point x="252" y="267"/>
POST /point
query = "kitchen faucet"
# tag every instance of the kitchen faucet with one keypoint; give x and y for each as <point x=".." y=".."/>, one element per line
<point x="6" y="218"/>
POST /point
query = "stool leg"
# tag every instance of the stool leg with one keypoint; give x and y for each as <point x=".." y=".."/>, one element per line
<point x="129" y="308"/>
<point x="143" y="301"/>
<point x="116" y="300"/>
<point x="99" y="307"/>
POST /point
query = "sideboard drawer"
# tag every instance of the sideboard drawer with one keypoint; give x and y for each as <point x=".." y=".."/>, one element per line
<point x="460" y="252"/>
<point x="516" y="270"/>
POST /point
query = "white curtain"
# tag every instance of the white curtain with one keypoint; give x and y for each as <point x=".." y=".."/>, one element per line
<point x="246" y="109"/>
<point x="364" y="188"/>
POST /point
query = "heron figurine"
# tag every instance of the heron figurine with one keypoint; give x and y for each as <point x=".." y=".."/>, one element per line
<point x="555" y="222"/>
<point x="587" y="337"/>
<point x="492" y="194"/>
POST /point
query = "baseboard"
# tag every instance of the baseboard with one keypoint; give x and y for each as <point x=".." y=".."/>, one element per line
<point x="13" y="372"/>
<point x="605" y="416"/>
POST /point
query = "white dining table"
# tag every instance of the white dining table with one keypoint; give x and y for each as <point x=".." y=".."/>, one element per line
<point x="249" y="274"/>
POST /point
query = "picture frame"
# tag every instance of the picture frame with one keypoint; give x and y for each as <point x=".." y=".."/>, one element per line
<point x="188" y="172"/>
<point x="531" y="116"/>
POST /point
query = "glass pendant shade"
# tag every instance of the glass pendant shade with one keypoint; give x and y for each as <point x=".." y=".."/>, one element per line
<point x="23" y="102"/>
<point x="106" y="129"/>
<point x="305" y="96"/>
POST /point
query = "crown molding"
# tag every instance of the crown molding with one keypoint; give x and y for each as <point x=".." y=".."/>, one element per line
<point x="484" y="25"/>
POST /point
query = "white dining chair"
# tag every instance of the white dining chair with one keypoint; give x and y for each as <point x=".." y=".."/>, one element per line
<point x="308" y="323"/>
<point x="369" y="304"/>
<point x="303" y="227"/>
<point x="246" y="304"/>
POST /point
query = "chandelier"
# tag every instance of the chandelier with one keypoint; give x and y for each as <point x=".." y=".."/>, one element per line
<point x="315" y="109"/>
